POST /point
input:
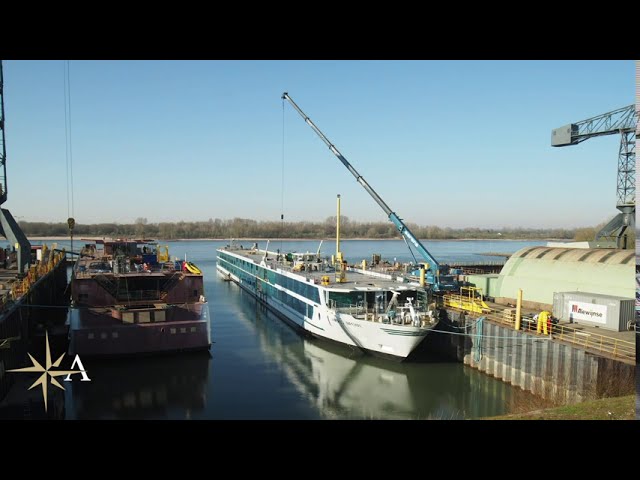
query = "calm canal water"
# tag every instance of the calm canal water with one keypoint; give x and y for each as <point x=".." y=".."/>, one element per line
<point x="259" y="368"/>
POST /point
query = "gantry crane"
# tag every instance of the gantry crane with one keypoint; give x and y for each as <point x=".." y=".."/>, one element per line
<point x="437" y="275"/>
<point x="9" y="228"/>
<point x="622" y="121"/>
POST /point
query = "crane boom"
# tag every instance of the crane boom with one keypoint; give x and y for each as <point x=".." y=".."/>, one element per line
<point x="622" y="121"/>
<point x="617" y="121"/>
<point x="434" y="269"/>
<point x="3" y="148"/>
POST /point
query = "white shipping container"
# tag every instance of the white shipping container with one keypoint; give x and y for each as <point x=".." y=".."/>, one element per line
<point x="605" y="311"/>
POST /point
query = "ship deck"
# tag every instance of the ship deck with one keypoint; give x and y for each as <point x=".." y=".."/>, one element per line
<point x="380" y="278"/>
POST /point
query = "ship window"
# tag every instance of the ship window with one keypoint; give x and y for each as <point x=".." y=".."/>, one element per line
<point x="345" y="299"/>
<point x="83" y="297"/>
<point x="301" y="307"/>
<point x="100" y="266"/>
<point x="195" y="293"/>
<point x="315" y="295"/>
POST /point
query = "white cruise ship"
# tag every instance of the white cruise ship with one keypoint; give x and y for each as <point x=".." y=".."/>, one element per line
<point x="381" y="313"/>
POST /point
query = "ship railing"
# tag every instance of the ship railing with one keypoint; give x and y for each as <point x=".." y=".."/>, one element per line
<point x="90" y="273"/>
<point x="290" y="267"/>
<point x="167" y="267"/>
<point x="353" y="310"/>
<point x="359" y="312"/>
<point x="371" y="273"/>
<point x="479" y="263"/>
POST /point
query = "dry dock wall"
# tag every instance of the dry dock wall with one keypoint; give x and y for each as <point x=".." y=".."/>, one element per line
<point x="550" y="369"/>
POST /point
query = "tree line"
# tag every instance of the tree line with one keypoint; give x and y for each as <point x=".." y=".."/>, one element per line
<point x="247" y="228"/>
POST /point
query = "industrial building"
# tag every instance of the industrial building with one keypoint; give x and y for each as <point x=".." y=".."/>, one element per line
<point x="542" y="272"/>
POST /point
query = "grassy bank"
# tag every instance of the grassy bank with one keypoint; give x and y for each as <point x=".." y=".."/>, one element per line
<point x="618" y="408"/>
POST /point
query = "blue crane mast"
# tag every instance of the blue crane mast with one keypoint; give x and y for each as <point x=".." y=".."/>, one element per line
<point x="437" y="275"/>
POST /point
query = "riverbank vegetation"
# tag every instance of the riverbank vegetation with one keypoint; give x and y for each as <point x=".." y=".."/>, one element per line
<point x="246" y="228"/>
<point x="618" y="408"/>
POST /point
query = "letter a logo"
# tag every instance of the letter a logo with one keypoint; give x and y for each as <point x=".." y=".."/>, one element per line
<point x="77" y="361"/>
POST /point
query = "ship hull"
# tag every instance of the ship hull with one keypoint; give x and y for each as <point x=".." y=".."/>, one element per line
<point x="96" y="333"/>
<point x="384" y="340"/>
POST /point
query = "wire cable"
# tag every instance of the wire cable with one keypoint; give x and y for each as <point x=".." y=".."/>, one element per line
<point x="410" y="251"/>
<point x="68" y="139"/>
<point x="282" y="183"/>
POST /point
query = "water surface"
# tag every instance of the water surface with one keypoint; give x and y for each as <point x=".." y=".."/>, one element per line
<point x="259" y="368"/>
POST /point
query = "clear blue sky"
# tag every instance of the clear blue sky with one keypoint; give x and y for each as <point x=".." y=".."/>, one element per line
<point x="448" y="143"/>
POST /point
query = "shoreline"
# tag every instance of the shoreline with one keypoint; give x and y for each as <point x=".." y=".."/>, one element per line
<point x="259" y="239"/>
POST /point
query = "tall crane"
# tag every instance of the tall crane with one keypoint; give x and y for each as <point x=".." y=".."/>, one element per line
<point x="621" y="121"/>
<point x="3" y="148"/>
<point x="436" y="274"/>
<point x="9" y="228"/>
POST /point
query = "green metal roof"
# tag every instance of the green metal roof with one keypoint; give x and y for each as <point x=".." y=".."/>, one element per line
<point x="541" y="271"/>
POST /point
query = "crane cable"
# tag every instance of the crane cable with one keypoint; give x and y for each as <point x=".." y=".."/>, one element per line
<point x="68" y="144"/>
<point x="410" y="251"/>
<point x="282" y="183"/>
<point x="66" y="140"/>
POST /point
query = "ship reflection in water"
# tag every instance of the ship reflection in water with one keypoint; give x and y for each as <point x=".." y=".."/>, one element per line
<point x="266" y="370"/>
<point x="166" y="387"/>
<point x="340" y="382"/>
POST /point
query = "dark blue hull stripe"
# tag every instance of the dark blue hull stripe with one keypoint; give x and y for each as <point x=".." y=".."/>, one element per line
<point x="315" y="326"/>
